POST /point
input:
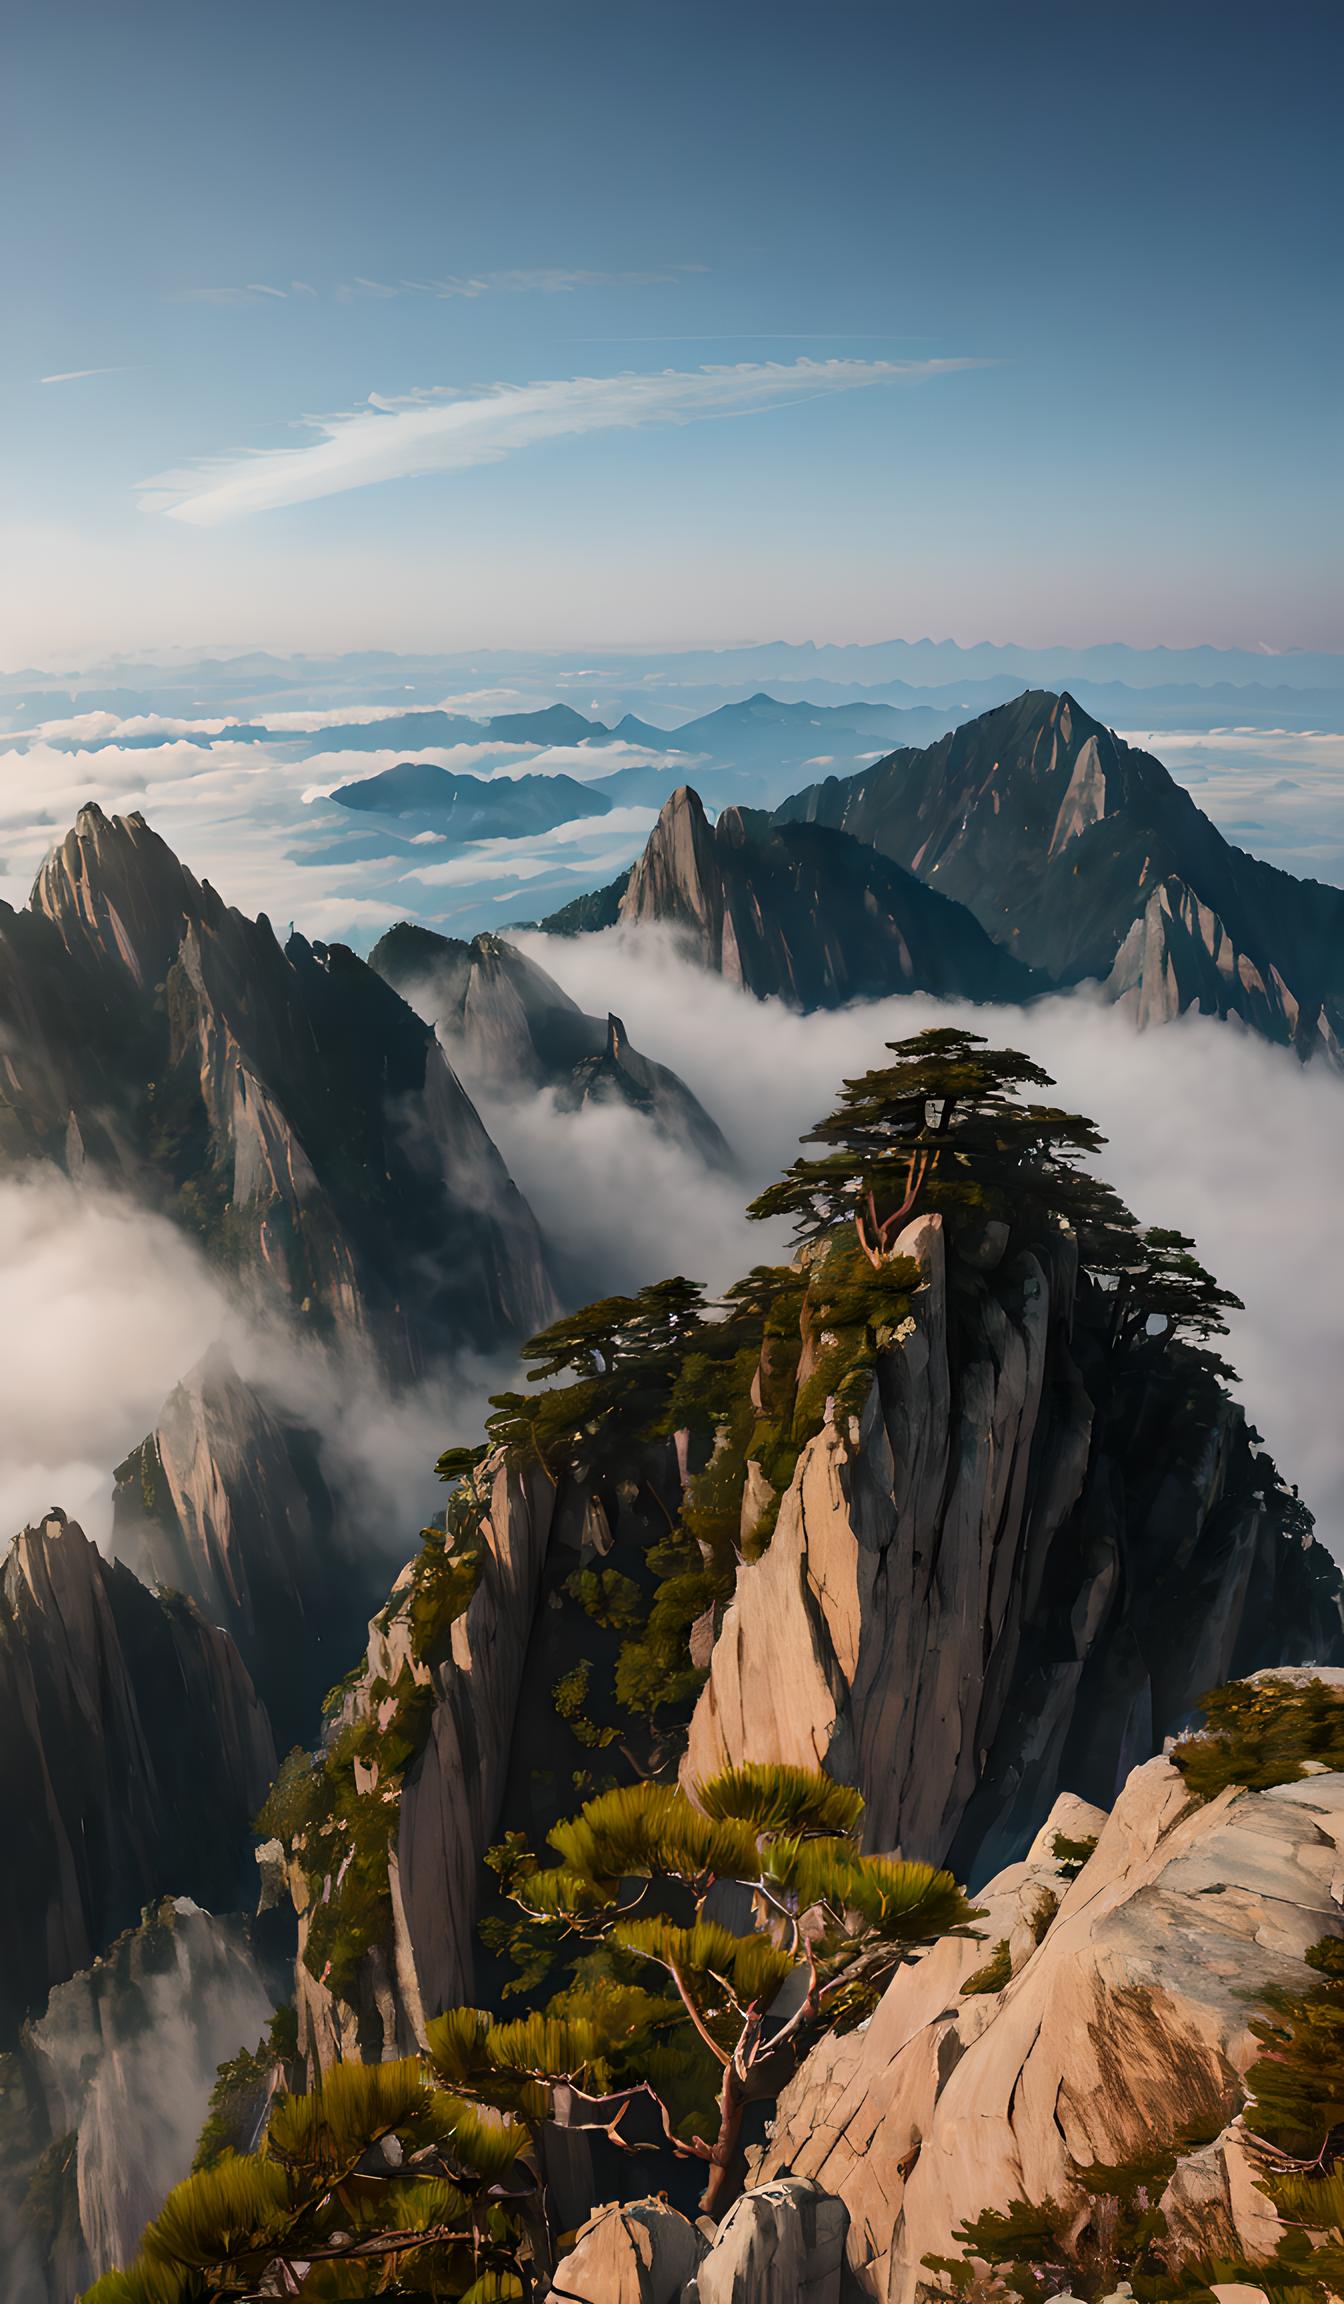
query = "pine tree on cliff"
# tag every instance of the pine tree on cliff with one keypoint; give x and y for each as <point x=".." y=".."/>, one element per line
<point x="696" y="2018"/>
<point x="669" y="2013"/>
<point x="946" y="1129"/>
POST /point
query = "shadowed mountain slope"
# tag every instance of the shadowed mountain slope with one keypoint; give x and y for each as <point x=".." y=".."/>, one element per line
<point x="804" y="913"/>
<point x="1085" y="858"/>
<point x="283" y="1105"/>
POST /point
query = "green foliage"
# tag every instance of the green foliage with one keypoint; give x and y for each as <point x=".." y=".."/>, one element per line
<point x="570" y="1698"/>
<point x="945" y="1128"/>
<point x="613" y="1600"/>
<point x="461" y="1463"/>
<point x="635" y="1869"/>
<point x="777" y="1798"/>
<point x="1260" y="1733"/>
<point x="290" y="1806"/>
<point x="322" y="2212"/>
<point x="335" y="1811"/>
<point x="1071" y="1855"/>
<point x="1034" y="2250"/>
<point x="995" y="1974"/>
<point x="642" y="1829"/>
<point x="331" y="2129"/>
<point x="443" y="1584"/>
<point x="240" y="2208"/>
<point x="1165" y="1292"/>
<point x="1297" y="2081"/>
<point x="609" y="1371"/>
<point x="242" y="2086"/>
<point x="238" y="2092"/>
<point x="715" y="1965"/>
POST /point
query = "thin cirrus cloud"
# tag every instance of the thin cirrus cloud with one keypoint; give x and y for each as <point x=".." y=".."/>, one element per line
<point x="545" y="280"/>
<point x="75" y="375"/>
<point x="251" y="292"/>
<point x="444" y="431"/>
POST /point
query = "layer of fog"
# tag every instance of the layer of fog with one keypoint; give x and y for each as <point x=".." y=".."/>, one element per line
<point x="1277" y="793"/>
<point x="106" y="1308"/>
<point x="1209" y="1131"/>
<point x="128" y="2055"/>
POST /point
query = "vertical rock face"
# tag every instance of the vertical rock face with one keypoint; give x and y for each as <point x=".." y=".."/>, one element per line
<point x="135" y="1754"/>
<point x="123" y="2062"/>
<point x="1126" y="2022"/>
<point x="286" y="1106"/>
<point x="459" y="1741"/>
<point x="806" y="913"/>
<point x="448" y="1809"/>
<point x="975" y="1594"/>
<point x="1084" y="858"/>
<point x="227" y="1503"/>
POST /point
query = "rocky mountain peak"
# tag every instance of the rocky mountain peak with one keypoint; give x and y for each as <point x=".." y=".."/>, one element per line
<point x="804" y="914"/>
<point x="677" y="878"/>
<point x="1056" y="834"/>
<point x="116" y="892"/>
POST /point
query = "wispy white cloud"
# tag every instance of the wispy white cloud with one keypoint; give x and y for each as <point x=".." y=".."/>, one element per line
<point x="539" y="279"/>
<point x="251" y="292"/>
<point x="443" y="431"/>
<point x="544" y="279"/>
<point x="75" y="375"/>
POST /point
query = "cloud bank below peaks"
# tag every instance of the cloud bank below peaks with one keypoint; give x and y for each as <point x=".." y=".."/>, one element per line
<point x="439" y="430"/>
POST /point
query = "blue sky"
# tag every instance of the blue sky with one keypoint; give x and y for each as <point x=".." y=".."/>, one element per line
<point x="1024" y="318"/>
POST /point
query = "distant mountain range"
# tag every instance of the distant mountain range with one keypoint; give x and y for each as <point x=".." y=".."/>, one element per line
<point x="467" y="807"/>
<point x="757" y="744"/>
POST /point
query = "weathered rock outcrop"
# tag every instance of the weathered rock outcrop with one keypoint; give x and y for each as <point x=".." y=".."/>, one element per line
<point x="448" y="1809"/>
<point x="1126" y="2026"/>
<point x="508" y="1026"/>
<point x="807" y="913"/>
<point x="119" y="2072"/>
<point x="475" y="1696"/>
<point x="226" y="1501"/>
<point x="1011" y="1574"/>
<point x="1083" y="857"/>
<point x="284" y="1105"/>
<point x="782" y="2243"/>
<point x="136" y="1754"/>
<point x="634" y="2252"/>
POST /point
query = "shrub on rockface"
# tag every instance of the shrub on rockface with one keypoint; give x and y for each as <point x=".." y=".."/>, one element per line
<point x="1262" y="1732"/>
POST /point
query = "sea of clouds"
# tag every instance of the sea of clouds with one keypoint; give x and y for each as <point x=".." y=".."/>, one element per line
<point x="1209" y="1130"/>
